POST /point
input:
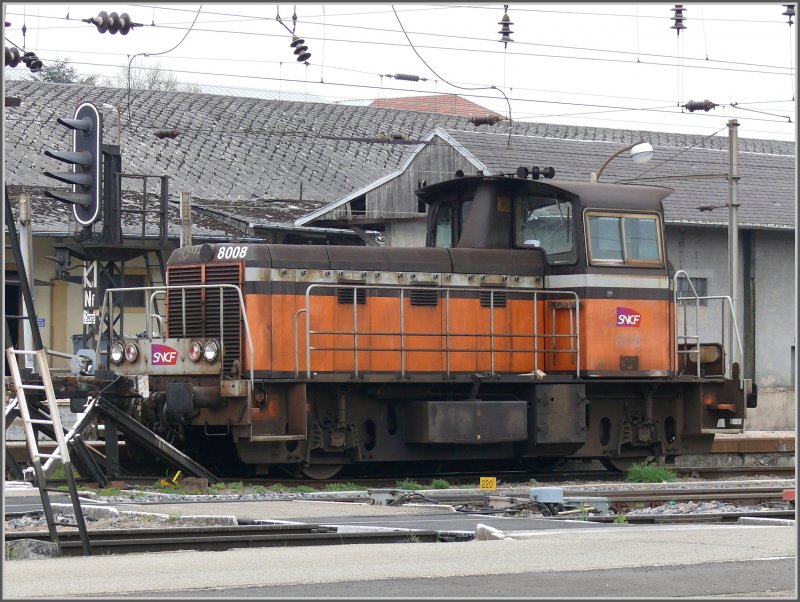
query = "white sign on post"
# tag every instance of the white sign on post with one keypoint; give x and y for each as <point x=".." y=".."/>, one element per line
<point x="89" y="291"/>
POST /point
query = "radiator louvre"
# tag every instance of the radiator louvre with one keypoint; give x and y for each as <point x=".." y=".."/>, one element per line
<point x="207" y="313"/>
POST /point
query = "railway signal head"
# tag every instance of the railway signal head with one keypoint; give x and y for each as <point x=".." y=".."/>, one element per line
<point x="85" y="158"/>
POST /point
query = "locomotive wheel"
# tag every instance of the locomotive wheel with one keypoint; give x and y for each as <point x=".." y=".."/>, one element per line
<point x="321" y="471"/>
<point x="621" y="464"/>
<point x="318" y="472"/>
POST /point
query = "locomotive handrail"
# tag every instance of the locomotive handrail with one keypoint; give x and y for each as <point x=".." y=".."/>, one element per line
<point x="685" y="337"/>
<point x="153" y="291"/>
<point x="734" y="327"/>
<point x="573" y="335"/>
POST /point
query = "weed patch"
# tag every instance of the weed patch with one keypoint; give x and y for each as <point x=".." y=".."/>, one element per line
<point x="341" y="487"/>
<point x="409" y="485"/>
<point x="648" y="473"/>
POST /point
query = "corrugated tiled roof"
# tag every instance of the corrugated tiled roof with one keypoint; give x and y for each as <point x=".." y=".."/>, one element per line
<point x="248" y="157"/>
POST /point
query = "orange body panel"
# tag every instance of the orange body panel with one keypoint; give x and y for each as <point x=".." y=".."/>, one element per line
<point x="614" y="329"/>
<point x="424" y="336"/>
<point x="610" y="330"/>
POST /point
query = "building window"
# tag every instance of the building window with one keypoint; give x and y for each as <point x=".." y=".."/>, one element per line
<point x="700" y="288"/>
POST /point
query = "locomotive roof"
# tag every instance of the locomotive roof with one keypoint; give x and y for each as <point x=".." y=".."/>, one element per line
<point x="594" y="194"/>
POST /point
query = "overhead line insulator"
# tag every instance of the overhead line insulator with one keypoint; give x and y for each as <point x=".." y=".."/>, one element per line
<point x="699" y="105"/>
<point x="789" y="12"/>
<point x="112" y="23"/>
<point x="300" y="49"/>
<point x="505" y="27"/>
<point x="678" y="18"/>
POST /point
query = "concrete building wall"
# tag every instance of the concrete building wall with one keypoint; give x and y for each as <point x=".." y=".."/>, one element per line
<point x="775" y="326"/>
<point x="776" y="313"/>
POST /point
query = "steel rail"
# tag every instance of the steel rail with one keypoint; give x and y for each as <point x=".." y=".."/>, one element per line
<point x="215" y="538"/>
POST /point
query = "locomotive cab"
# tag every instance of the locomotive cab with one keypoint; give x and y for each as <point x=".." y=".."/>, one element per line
<point x="477" y="212"/>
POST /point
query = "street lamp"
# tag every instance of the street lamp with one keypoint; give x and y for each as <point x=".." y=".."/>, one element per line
<point x="641" y="152"/>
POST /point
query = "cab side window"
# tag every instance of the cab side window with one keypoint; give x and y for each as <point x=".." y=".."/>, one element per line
<point x="443" y="223"/>
<point x="624" y="239"/>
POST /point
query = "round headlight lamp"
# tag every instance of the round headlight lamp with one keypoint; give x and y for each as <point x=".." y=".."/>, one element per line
<point x="195" y="351"/>
<point x="117" y="353"/>
<point x="211" y="350"/>
<point x="131" y="352"/>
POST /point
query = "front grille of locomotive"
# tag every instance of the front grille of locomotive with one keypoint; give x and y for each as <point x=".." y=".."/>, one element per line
<point x="204" y="306"/>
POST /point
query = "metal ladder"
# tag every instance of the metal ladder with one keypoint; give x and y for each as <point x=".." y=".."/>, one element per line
<point x="54" y="420"/>
<point x="155" y="273"/>
<point x="60" y="453"/>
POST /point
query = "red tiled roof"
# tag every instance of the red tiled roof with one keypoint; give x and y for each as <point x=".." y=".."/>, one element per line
<point x="446" y="104"/>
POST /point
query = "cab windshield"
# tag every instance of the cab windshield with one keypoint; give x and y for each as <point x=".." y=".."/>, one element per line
<point x="547" y="223"/>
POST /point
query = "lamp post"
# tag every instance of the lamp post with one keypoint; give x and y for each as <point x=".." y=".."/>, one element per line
<point x="641" y="152"/>
<point x="733" y="219"/>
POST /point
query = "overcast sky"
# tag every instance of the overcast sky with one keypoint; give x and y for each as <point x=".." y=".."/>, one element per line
<point x="597" y="65"/>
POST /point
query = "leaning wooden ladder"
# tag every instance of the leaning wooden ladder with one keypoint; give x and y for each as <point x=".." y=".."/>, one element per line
<point x="35" y="456"/>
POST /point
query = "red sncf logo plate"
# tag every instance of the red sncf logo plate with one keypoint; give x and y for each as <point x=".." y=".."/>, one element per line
<point x="629" y="318"/>
<point x="164" y="355"/>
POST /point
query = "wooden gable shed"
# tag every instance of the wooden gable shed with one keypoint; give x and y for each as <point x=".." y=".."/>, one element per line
<point x="389" y="204"/>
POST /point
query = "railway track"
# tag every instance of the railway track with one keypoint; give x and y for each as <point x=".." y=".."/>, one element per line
<point x="618" y="500"/>
<point x="767" y="499"/>
<point x="461" y="479"/>
<point x="211" y="538"/>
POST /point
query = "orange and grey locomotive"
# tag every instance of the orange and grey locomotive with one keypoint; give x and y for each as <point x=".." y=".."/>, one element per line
<point x="542" y="320"/>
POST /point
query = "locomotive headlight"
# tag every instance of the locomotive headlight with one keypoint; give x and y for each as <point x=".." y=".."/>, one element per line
<point x="195" y="351"/>
<point x="131" y="352"/>
<point x="117" y="353"/>
<point x="211" y="350"/>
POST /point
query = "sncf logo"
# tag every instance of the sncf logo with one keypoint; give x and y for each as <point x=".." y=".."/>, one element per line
<point x="628" y="317"/>
<point x="164" y="355"/>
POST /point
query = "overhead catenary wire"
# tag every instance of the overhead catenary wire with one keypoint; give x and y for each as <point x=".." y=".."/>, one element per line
<point x="453" y="85"/>
<point x="349" y="70"/>
<point x="439" y="35"/>
<point x="518" y="89"/>
<point x="148" y="54"/>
